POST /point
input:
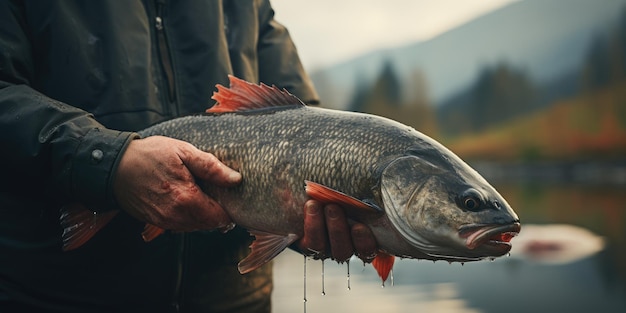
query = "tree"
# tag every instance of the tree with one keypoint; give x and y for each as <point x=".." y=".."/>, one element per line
<point x="605" y="63"/>
<point x="500" y="93"/>
<point x="385" y="97"/>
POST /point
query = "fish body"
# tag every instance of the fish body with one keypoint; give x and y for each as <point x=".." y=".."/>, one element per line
<point x="419" y="199"/>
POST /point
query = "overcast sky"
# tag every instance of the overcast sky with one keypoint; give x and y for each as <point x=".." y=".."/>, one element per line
<point x="327" y="32"/>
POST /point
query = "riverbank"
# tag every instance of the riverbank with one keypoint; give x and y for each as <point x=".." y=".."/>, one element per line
<point x="547" y="172"/>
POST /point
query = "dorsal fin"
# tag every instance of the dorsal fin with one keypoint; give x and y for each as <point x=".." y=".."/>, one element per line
<point x="242" y="96"/>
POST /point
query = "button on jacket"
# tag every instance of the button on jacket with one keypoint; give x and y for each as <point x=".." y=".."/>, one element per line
<point x="77" y="79"/>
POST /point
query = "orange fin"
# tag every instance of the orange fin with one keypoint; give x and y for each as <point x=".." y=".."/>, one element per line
<point x="265" y="247"/>
<point x="150" y="232"/>
<point x="80" y="224"/>
<point x="383" y="263"/>
<point x="242" y="96"/>
<point x="328" y="195"/>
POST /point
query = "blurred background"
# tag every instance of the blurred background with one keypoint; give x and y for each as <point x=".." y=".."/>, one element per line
<point x="532" y="94"/>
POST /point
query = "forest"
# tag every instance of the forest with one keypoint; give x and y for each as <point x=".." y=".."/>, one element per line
<point x="505" y="115"/>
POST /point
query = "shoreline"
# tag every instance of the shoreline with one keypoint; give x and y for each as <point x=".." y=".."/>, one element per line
<point x="546" y="172"/>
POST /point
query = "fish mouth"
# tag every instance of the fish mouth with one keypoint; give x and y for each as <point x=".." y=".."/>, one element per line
<point x="495" y="238"/>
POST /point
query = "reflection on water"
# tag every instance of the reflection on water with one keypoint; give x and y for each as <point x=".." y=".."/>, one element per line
<point x="556" y="243"/>
<point x="569" y="257"/>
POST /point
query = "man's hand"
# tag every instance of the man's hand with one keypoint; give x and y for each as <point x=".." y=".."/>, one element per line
<point x="155" y="182"/>
<point x="328" y="234"/>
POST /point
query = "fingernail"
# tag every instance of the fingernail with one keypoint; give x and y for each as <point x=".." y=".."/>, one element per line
<point x="312" y="209"/>
<point x="234" y="176"/>
<point x="227" y="228"/>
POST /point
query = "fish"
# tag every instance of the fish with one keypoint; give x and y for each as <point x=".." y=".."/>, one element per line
<point x="420" y="200"/>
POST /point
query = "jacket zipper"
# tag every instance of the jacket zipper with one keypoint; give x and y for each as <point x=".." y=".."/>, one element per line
<point x="166" y="64"/>
<point x="164" y="51"/>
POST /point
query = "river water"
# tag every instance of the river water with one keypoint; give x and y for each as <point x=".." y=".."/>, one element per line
<point x="569" y="257"/>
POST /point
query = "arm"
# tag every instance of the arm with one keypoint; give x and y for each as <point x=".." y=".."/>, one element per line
<point x="48" y="144"/>
<point x="53" y="146"/>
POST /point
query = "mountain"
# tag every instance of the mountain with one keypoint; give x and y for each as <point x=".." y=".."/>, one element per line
<point x="545" y="38"/>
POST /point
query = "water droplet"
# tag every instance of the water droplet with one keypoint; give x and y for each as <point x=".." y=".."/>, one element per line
<point x="492" y="259"/>
<point x="462" y="263"/>
<point x="323" y="289"/>
<point x="508" y="254"/>
<point x="392" y="283"/>
<point x="304" y="297"/>
<point x="348" y="267"/>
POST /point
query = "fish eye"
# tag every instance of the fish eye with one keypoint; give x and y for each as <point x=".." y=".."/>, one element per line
<point x="470" y="203"/>
<point x="471" y="200"/>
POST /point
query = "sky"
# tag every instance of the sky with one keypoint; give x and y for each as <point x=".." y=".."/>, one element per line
<point x="327" y="32"/>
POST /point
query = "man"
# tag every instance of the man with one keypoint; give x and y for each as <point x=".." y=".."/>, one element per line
<point x="77" y="78"/>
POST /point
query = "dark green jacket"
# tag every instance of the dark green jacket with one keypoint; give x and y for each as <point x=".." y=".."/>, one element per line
<point x="79" y="76"/>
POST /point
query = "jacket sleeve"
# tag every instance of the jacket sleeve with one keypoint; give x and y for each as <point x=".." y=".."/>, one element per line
<point x="279" y="62"/>
<point x="46" y="143"/>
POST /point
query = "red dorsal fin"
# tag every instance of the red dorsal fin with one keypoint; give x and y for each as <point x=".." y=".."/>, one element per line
<point x="150" y="232"/>
<point x="383" y="263"/>
<point x="265" y="247"/>
<point x="242" y="96"/>
<point x="328" y="195"/>
<point x="80" y="224"/>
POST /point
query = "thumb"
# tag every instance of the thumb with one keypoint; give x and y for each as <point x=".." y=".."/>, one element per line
<point x="206" y="166"/>
<point x="210" y="214"/>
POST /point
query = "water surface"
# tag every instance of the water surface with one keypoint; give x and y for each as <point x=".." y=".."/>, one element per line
<point x="552" y="270"/>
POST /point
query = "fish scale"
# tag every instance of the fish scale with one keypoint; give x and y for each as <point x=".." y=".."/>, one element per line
<point x="317" y="150"/>
<point x="418" y="198"/>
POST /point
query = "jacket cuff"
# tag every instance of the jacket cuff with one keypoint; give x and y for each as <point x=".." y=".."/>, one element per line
<point x="94" y="166"/>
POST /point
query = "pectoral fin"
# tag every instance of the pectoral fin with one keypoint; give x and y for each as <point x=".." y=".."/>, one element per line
<point x="265" y="247"/>
<point x="328" y="195"/>
<point x="80" y="224"/>
<point x="383" y="263"/>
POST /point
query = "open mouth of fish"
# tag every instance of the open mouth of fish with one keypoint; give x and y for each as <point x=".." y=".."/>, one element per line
<point x="489" y="235"/>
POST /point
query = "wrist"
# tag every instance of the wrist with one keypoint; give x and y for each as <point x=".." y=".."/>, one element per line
<point x="95" y="164"/>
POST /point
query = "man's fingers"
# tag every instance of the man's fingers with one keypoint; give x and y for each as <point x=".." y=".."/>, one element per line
<point x="207" y="213"/>
<point x="338" y="233"/>
<point x="207" y="167"/>
<point x="315" y="239"/>
<point x="364" y="242"/>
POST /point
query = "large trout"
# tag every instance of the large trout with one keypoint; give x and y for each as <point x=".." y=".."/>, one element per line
<point x="419" y="199"/>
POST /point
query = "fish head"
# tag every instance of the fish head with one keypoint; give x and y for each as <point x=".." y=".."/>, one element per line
<point x="445" y="209"/>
